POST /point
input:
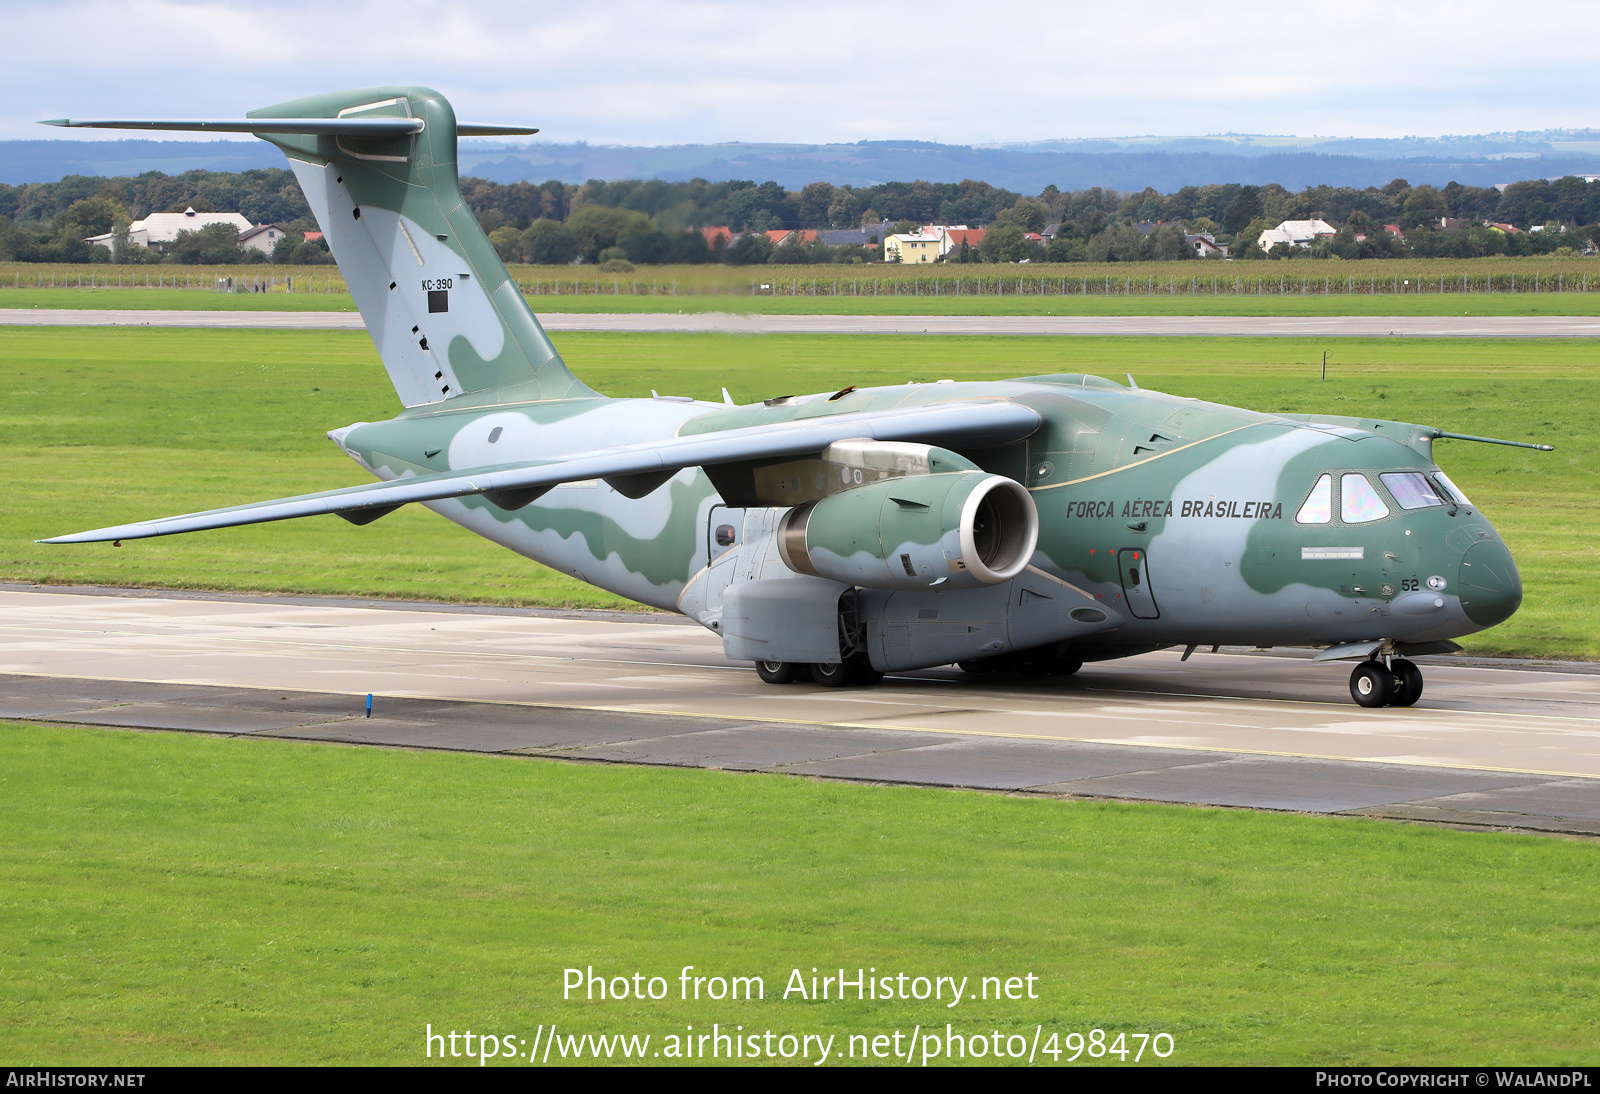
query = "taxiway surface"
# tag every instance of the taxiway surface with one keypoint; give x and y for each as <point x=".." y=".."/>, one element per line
<point x="1156" y="326"/>
<point x="1488" y="746"/>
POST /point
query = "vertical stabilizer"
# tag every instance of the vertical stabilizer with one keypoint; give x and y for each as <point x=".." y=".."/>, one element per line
<point x="437" y="300"/>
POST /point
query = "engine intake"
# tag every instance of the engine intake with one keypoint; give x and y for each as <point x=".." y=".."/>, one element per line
<point x="956" y="530"/>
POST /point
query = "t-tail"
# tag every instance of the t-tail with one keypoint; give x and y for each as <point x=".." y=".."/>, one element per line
<point x="378" y="168"/>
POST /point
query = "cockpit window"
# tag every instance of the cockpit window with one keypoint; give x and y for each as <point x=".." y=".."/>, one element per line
<point x="1358" y="501"/>
<point x="1444" y="480"/>
<point x="1318" y="508"/>
<point x="1412" y="489"/>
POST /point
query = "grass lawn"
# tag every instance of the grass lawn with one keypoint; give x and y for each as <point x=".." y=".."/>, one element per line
<point x="116" y="424"/>
<point x="171" y="899"/>
<point x="1436" y="304"/>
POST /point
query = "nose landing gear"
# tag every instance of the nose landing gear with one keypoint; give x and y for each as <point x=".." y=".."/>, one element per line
<point x="1391" y="681"/>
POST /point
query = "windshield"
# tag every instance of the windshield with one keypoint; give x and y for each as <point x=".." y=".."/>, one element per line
<point x="1358" y="501"/>
<point x="1455" y="491"/>
<point x="1411" y="489"/>
<point x="1318" y="508"/>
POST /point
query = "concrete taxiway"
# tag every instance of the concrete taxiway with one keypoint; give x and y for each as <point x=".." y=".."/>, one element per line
<point x="1502" y="747"/>
<point x="1232" y="326"/>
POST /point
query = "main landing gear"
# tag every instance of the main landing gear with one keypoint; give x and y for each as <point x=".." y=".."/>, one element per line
<point x="1397" y="683"/>
<point x="855" y="671"/>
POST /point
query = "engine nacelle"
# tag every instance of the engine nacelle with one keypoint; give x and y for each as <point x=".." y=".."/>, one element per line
<point x="958" y="530"/>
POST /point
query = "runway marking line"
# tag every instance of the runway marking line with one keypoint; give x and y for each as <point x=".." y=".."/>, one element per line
<point x="1112" y="741"/>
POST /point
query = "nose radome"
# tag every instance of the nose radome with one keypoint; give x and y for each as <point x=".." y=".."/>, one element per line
<point x="1489" y="585"/>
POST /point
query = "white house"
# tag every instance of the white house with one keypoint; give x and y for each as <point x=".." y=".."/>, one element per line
<point x="159" y="229"/>
<point x="263" y="237"/>
<point x="1296" y="233"/>
<point x="911" y="247"/>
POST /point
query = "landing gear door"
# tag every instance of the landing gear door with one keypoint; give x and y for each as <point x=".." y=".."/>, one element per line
<point x="1133" y="562"/>
<point x="724" y="532"/>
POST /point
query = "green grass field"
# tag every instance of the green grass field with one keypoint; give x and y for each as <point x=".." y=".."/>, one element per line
<point x="172" y="899"/>
<point x="116" y="424"/>
<point x="606" y="303"/>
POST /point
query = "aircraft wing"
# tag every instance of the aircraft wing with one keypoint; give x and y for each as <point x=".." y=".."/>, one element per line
<point x="982" y="424"/>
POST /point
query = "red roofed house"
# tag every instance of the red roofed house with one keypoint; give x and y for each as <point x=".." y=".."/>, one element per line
<point x="955" y="237"/>
<point x="723" y="233"/>
<point x="780" y="236"/>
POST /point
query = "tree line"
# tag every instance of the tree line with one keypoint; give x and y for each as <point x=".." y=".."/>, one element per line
<point x="654" y="221"/>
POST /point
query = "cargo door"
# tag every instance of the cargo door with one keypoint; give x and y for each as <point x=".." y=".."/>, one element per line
<point x="1133" y="562"/>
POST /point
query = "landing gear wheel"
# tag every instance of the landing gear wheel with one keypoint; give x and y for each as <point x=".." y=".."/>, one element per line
<point x="1067" y="668"/>
<point x="1372" y="684"/>
<point x="1407" y="681"/>
<point x="778" y="672"/>
<point x="831" y="674"/>
<point x="977" y="666"/>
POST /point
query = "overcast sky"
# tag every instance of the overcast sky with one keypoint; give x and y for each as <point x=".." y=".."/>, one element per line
<point x="666" y="71"/>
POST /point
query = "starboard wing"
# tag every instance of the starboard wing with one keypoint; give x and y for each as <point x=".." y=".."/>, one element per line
<point x="962" y="424"/>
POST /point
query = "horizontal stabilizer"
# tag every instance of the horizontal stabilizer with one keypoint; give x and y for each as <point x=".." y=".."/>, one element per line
<point x="324" y="127"/>
<point x="980" y="425"/>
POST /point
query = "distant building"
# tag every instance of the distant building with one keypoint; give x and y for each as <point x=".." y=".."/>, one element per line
<point x="911" y="247"/>
<point x="1206" y="246"/>
<point x="263" y="237"/>
<point x="952" y="236"/>
<point x="1450" y="224"/>
<point x="1296" y="233"/>
<point x="780" y="236"/>
<point x="158" y="230"/>
<point x="311" y="236"/>
<point x="839" y="237"/>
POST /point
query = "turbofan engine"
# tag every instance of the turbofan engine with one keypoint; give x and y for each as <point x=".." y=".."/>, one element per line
<point x="956" y="530"/>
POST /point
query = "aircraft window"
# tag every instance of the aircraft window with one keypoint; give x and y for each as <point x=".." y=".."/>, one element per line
<point x="725" y="535"/>
<point x="1358" y="501"/>
<point x="1455" y="491"/>
<point x="1318" y="508"/>
<point x="1412" y="489"/>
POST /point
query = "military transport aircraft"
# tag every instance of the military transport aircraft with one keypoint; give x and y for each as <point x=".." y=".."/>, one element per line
<point x="1023" y="525"/>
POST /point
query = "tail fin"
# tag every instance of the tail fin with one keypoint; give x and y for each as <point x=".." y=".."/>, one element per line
<point x="437" y="300"/>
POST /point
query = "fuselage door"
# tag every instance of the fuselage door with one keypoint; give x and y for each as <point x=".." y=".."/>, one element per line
<point x="1133" y="562"/>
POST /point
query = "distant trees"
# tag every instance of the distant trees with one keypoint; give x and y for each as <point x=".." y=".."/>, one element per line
<point x="648" y="221"/>
<point x="213" y="245"/>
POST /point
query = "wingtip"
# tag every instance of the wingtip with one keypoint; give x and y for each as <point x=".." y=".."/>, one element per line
<point x="57" y="121"/>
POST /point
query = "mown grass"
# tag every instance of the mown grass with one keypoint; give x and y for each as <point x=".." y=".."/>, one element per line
<point x="115" y="424"/>
<point x="171" y="899"/>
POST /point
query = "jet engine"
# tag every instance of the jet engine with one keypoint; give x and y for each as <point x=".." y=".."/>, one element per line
<point x="955" y="530"/>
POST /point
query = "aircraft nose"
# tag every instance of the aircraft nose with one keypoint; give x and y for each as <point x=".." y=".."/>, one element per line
<point x="1489" y="585"/>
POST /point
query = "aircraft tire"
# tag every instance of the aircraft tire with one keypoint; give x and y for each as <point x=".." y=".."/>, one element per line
<point x="977" y="665"/>
<point x="1372" y="684"/>
<point x="1408" y="682"/>
<point x="1067" y="668"/>
<point x="831" y="674"/>
<point x="778" y="672"/>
